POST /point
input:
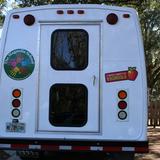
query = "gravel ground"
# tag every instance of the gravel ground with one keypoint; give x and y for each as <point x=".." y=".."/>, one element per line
<point x="154" y="146"/>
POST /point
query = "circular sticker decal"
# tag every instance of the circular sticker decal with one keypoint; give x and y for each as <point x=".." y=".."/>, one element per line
<point x="19" y="64"/>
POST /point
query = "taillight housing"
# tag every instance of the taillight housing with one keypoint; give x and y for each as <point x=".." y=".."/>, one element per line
<point x="122" y="94"/>
<point x="112" y="18"/>
<point x="29" y="20"/>
<point x="16" y="93"/>
<point x="122" y="105"/>
<point x="122" y="115"/>
<point x="16" y="113"/>
<point x="16" y="103"/>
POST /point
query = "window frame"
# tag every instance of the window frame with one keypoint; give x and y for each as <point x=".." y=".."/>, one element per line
<point x="52" y="55"/>
<point x="51" y="105"/>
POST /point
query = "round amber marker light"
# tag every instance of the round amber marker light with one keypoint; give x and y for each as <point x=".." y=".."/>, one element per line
<point x="16" y="93"/>
<point x="122" y="94"/>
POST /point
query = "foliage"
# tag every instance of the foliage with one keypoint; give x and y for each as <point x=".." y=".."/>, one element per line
<point x="150" y="22"/>
<point x="2" y="5"/>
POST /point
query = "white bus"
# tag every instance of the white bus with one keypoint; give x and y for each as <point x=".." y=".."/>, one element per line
<point x="73" y="78"/>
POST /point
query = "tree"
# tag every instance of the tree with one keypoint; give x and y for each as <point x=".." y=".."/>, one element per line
<point x="150" y="22"/>
<point x="2" y="5"/>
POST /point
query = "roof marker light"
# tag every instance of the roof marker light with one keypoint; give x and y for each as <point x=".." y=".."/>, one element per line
<point x="29" y="20"/>
<point x="126" y="16"/>
<point x="60" y="12"/>
<point x="80" y="11"/>
<point x="112" y="18"/>
<point x="70" y="12"/>
<point x="15" y="16"/>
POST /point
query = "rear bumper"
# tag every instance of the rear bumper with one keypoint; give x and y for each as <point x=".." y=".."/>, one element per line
<point x="75" y="146"/>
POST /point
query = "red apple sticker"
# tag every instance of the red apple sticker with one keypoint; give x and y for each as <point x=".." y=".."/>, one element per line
<point x="132" y="73"/>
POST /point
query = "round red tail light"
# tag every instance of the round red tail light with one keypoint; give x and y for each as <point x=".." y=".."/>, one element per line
<point x="29" y="20"/>
<point x="112" y="18"/>
<point x="16" y="103"/>
<point x="122" y="104"/>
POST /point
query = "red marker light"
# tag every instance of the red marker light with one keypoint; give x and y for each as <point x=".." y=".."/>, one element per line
<point x="29" y="20"/>
<point x="70" y="12"/>
<point x="112" y="18"/>
<point x="80" y="11"/>
<point x="60" y="12"/>
<point x="15" y="16"/>
<point x="126" y="15"/>
<point x="122" y="104"/>
<point x="16" y="103"/>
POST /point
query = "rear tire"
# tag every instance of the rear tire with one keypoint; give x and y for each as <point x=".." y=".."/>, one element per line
<point x="122" y="156"/>
<point x="29" y="155"/>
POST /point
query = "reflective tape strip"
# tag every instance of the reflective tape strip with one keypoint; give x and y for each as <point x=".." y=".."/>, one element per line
<point x="112" y="149"/>
<point x="65" y="147"/>
<point x="5" y="145"/>
<point x="81" y="148"/>
<point x="129" y="149"/>
<point x="34" y="146"/>
<point x="19" y="146"/>
<point x="95" y="148"/>
<point x="50" y="147"/>
<point x="141" y="149"/>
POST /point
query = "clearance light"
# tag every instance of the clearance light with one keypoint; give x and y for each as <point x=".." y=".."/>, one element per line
<point x="15" y="113"/>
<point x="29" y="20"/>
<point x="122" y="115"/>
<point x="70" y="12"/>
<point x="112" y="18"/>
<point x="16" y="93"/>
<point x="122" y="104"/>
<point x="15" y="16"/>
<point x="80" y="11"/>
<point x="126" y="15"/>
<point x="122" y="94"/>
<point x="60" y="12"/>
<point x="16" y="103"/>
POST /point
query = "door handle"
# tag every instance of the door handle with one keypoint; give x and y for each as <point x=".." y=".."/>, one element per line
<point x="94" y="80"/>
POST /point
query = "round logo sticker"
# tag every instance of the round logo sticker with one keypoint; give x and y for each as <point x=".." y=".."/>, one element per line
<point x="19" y="64"/>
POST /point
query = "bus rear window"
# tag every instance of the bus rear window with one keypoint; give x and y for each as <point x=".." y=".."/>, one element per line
<point x="68" y="105"/>
<point x="69" y="49"/>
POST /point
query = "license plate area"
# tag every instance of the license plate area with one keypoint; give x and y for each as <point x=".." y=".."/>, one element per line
<point x="15" y="127"/>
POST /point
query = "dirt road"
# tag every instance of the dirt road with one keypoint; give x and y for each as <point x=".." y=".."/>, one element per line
<point x="154" y="146"/>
